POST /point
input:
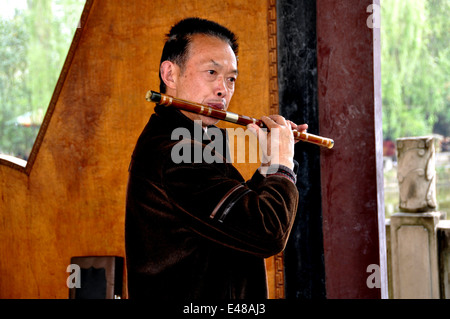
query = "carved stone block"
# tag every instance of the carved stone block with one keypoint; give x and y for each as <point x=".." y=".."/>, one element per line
<point x="416" y="174"/>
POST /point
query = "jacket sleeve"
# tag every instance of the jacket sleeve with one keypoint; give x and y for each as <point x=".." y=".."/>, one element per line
<point x="254" y="216"/>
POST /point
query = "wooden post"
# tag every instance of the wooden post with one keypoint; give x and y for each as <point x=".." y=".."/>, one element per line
<point x="349" y="95"/>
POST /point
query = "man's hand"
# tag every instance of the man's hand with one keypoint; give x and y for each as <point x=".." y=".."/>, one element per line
<point x="277" y="145"/>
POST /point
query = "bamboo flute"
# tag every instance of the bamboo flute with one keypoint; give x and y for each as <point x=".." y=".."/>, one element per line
<point x="167" y="100"/>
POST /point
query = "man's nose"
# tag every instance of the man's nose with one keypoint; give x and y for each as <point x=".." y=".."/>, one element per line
<point x="221" y="88"/>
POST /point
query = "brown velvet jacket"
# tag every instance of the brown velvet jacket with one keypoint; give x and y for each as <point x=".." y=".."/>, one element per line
<point x="198" y="230"/>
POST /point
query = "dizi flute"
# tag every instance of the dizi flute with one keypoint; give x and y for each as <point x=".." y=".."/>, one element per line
<point x="167" y="100"/>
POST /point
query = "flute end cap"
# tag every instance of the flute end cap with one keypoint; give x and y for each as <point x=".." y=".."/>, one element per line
<point x="153" y="96"/>
<point x="331" y="144"/>
<point x="148" y="96"/>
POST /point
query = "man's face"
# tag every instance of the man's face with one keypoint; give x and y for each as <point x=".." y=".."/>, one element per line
<point x="208" y="76"/>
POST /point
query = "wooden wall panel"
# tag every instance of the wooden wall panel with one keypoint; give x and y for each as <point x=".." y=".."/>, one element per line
<point x="70" y="199"/>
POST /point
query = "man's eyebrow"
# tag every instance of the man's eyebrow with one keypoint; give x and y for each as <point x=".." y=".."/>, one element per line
<point x="235" y="71"/>
<point x="215" y="63"/>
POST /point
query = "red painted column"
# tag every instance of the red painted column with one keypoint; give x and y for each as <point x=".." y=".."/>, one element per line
<point x="349" y="96"/>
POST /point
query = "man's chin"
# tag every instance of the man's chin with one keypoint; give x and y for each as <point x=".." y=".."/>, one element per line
<point x="207" y="121"/>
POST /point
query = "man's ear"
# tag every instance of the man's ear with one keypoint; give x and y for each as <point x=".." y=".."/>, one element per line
<point x="169" y="73"/>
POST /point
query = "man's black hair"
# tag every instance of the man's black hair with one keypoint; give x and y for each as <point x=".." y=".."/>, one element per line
<point x="180" y="36"/>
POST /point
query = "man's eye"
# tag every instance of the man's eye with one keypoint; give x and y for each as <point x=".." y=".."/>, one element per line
<point x="212" y="72"/>
<point x="232" y="79"/>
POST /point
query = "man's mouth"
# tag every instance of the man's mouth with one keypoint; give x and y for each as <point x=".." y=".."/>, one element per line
<point x="217" y="106"/>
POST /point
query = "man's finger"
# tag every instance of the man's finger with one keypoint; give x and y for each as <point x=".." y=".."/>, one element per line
<point x="302" y="127"/>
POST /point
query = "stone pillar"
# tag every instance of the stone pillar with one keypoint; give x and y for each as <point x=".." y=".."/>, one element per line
<point x="444" y="257"/>
<point x="415" y="260"/>
<point x="415" y="268"/>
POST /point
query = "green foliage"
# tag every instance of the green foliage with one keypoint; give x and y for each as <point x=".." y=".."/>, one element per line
<point x="34" y="45"/>
<point x="13" y="91"/>
<point x="415" y="67"/>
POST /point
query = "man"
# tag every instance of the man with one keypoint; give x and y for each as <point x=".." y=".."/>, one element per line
<point x="194" y="229"/>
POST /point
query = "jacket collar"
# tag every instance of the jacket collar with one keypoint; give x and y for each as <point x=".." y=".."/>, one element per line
<point x="178" y="119"/>
<point x="174" y="119"/>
